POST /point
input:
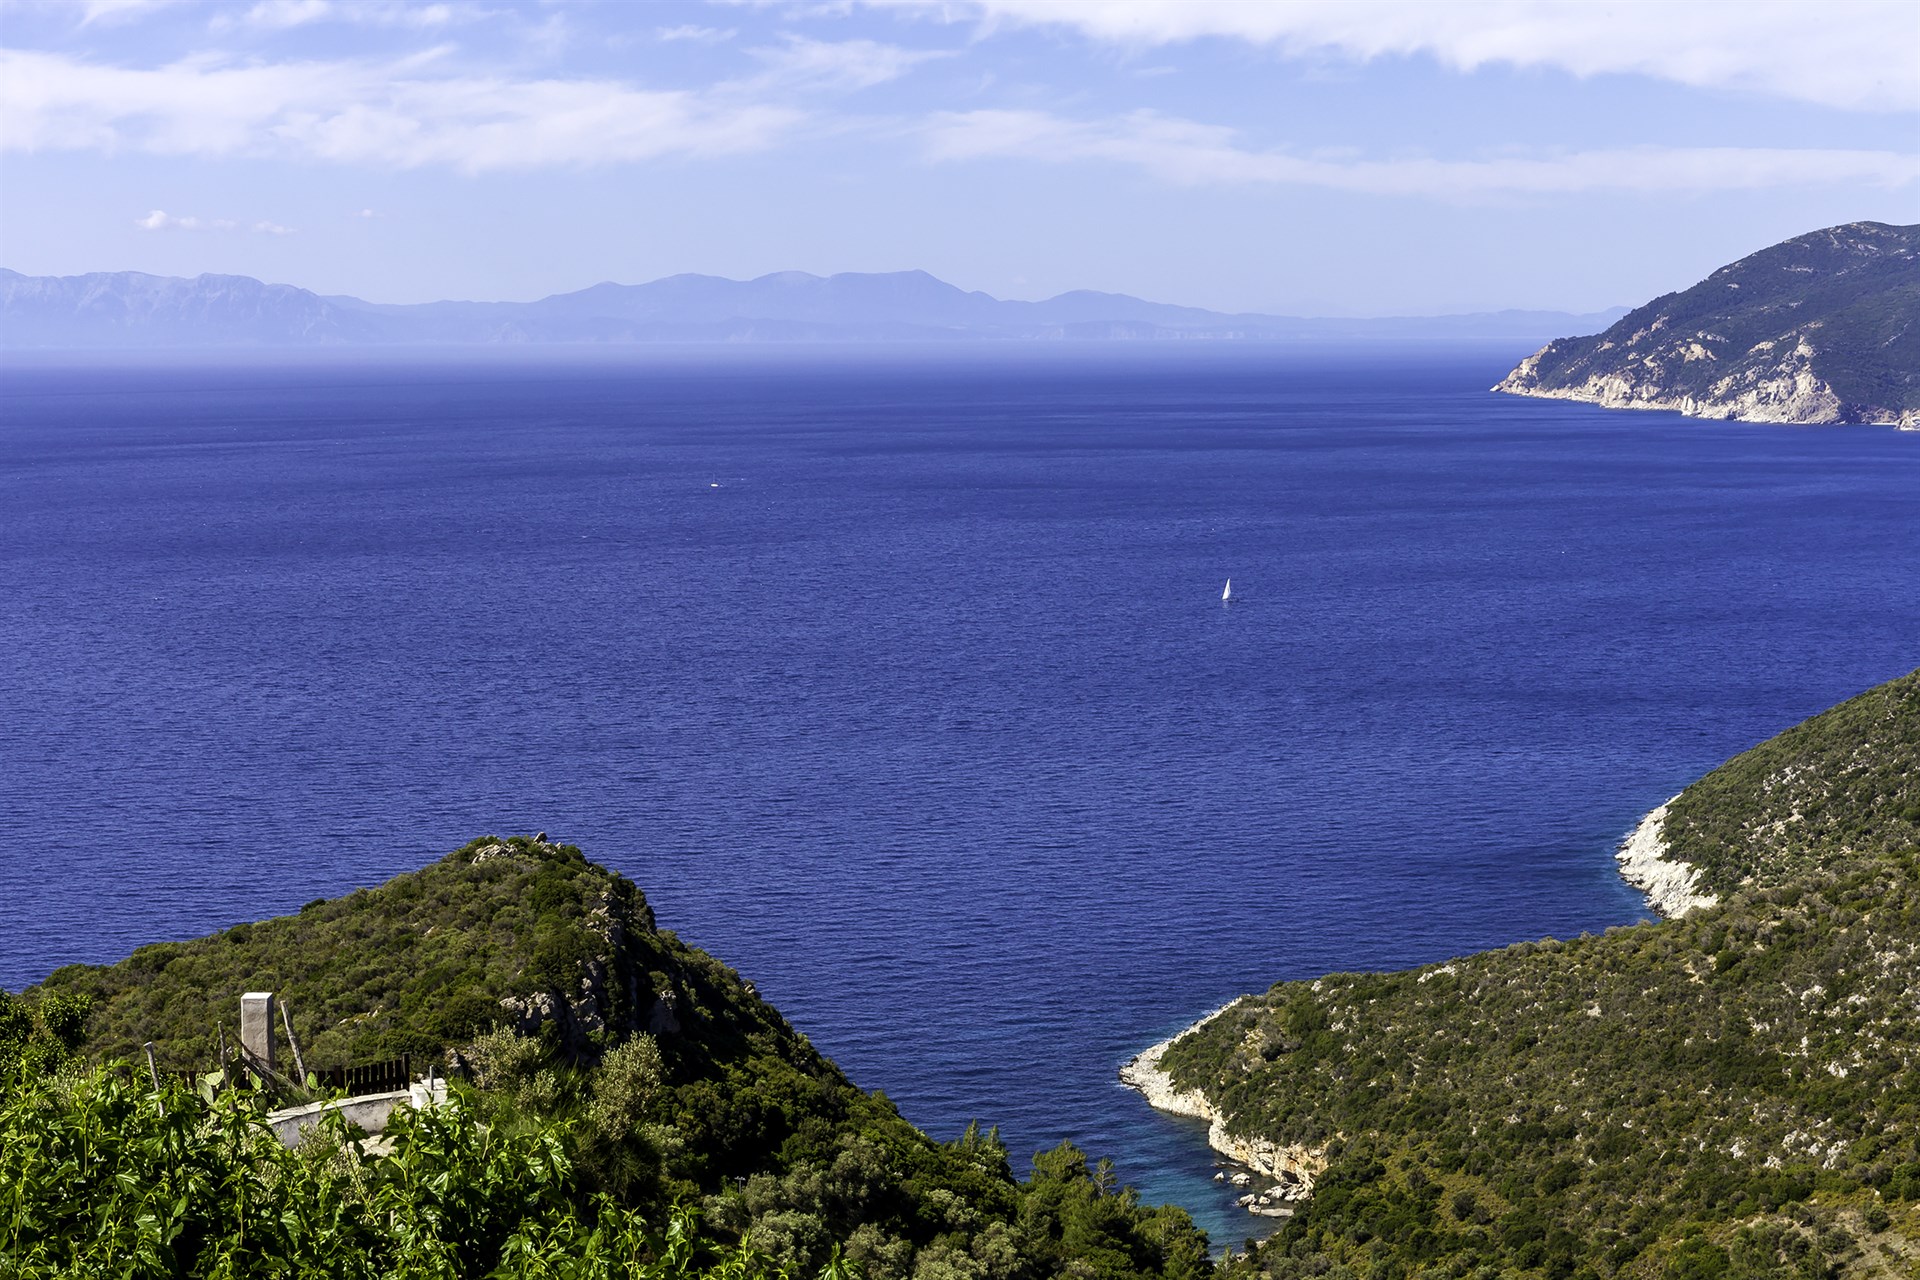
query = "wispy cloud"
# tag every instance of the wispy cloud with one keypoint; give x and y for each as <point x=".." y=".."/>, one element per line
<point x="1855" y="54"/>
<point x="1194" y="154"/>
<point x="393" y="113"/>
<point x="284" y="15"/>
<point x="698" y="35"/>
<point x="279" y="15"/>
<point x="161" y="220"/>
<point x="104" y="12"/>
<point x="843" y="65"/>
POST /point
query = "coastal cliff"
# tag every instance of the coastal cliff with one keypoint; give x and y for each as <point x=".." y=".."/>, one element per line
<point x="1672" y="887"/>
<point x="1734" y="1091"/>
<point x="1817" y="329"/>
<point x="1288" y="1170"/>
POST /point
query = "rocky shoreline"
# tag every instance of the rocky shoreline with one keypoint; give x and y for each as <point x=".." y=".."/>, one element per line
<point x="1277" y="1178"/>
<point x="1672" y="887"/>
<point x="1789" y="397"/>
<point x="1287" y="1172"/>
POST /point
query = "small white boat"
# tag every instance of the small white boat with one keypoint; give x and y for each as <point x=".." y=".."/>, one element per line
<point x="1226" y="592"/>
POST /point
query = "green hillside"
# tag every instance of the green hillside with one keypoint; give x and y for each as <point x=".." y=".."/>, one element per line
<point x="1846" y="782"/>
<point x="1734" y="1093"/>
<point x="649" y="1075"/>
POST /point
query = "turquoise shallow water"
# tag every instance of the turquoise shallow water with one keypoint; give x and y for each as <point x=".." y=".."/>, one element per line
<point x="902" y="682"/>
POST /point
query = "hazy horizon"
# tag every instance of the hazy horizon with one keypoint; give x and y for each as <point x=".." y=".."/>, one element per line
<point x="475" y="299"/>
<point x="1366" y="159"/>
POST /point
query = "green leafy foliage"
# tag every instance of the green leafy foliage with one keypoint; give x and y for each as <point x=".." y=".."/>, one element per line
<point x="102" y="1177"/>
<point x="40" y="1036"/>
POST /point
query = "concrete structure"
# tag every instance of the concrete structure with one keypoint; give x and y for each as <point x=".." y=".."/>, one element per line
<point x="256" y="1028"/>
<point x="369" y="1113"/>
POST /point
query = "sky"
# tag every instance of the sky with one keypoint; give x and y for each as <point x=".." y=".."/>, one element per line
<point x="1303" y="157"/>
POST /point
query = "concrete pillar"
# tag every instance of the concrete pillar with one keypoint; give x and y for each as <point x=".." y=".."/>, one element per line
<point x="256" y="1028"/>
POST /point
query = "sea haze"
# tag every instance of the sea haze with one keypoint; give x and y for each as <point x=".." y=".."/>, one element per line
<point x="903" y="683"/>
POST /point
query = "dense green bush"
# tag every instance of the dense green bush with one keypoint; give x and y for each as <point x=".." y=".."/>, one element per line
<point x="102" y="1177"/>
<point x="39" y="1036"/>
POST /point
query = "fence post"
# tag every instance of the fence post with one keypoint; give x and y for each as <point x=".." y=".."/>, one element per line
<point x="293" y="1044"/>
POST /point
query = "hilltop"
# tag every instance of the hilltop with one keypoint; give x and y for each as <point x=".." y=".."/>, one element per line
<point x="622" y="1078"/>
<point x="1732" y="1093"/>
<point x="1824" y="327"/>
<point x="129" y="309"/>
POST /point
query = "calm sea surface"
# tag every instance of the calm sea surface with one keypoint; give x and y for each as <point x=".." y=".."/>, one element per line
<point x="902" y="682"/>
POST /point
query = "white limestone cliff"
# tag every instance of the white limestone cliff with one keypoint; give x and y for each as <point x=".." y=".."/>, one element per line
<point x="1291" y="1169"/>
<point x="1672" y="887"/>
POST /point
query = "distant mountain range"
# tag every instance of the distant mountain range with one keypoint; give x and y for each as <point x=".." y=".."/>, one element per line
<point x="1824" y="327"/>
<point x="131" y="309"/>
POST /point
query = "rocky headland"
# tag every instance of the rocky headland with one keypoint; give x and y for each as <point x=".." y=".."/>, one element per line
<point x="1817" y="329"/>
<point x="1287" y="1172"/>
<point x="1672" y="886"/>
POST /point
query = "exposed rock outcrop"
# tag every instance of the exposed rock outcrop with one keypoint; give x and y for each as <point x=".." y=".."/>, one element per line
<point x="1672" y="887"/>
<point x="1823" y="328"/>
<point x="1290" y="1169"/>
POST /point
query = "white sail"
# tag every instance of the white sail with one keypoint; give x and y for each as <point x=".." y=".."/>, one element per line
<point x="1226" y="593"/>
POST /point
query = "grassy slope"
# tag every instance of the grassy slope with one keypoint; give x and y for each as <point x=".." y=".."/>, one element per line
<point x="1736" y="1091"/>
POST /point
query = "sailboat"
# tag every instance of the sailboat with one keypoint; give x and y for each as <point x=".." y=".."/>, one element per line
<point x="1226" y="592"/>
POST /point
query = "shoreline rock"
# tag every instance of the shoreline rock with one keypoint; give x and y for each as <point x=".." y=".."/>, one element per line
<point x="1291" y="1169"/>
<point x="1787" y="402"/>
<point x="1672" y="887"/>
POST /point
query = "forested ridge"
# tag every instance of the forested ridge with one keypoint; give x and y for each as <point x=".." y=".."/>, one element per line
<point x="624" y="1105"/>
<point x="1733" y="1093"/>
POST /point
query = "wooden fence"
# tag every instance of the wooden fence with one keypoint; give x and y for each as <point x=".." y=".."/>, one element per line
<point x="357" y="1081"/>
<point x="372" y="1077"/>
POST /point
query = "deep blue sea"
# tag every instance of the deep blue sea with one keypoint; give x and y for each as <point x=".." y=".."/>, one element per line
<point x="901" y="680"/>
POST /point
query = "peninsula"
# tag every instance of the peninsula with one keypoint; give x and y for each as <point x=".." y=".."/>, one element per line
<point x="1822" y="328"/>
<point x="1731" y="1092"/>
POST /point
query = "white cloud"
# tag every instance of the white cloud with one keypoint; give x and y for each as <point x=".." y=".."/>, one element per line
<point x="1194" y="154"/>
<point x="699" y="35"/>
<point x="839" y="64"/>
<point x="285" y="15"/>
<point x="1856" y="54"/>
<point x="387" y="113"/>
<point x="281" y="14"/>
<point x="110" y="11"/>
<point x="161" y="220"/>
